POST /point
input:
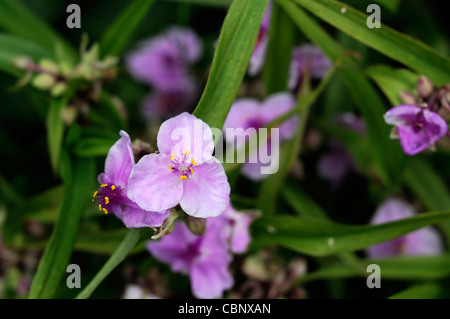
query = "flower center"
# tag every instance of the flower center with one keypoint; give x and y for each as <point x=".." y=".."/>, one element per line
<point x="107" y="196"/>
<point x="182" y="165"/>
<point x="419" y="123"/>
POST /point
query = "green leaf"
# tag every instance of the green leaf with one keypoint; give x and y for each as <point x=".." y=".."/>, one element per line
<point x="393" y="81"/>
<point x="19" y="20"/>
<point x="59" y="249"/>
<point x="12" y="47"/>
<point x="398" y="268"/>
<point x="302" y="204"/>
<point x="119" y="255"/>
<point x="387" y="153"/>
<point x="387" y="41"/>
<point x="120" y="32"/>
<point x="320" y="238"/>
<point x="234" y="49"/>
<point x="93" y="146"/>
<point x="279" y="51"/>
<point x="428" y="290"/>
<point x="55" y="130"/>
<point x="209" y="3"/>
<point x="429" y="187"/>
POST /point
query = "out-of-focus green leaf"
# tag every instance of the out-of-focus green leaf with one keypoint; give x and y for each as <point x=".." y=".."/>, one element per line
<point x="234" y="49"/>
<point x="104" y="243"/>
<point x="59" y="249"/>
<point x="44" y="207"/>
<point x="120" y="32"/>
<point x="12" y="47"/>
<point x="17" y="19"/>
<point x="392" y="81"/>
<point x="429" y="186"/>
<point x="428" y="290"/>
<point x="389" y="42"/>
<point x="301" y="202"/>
<point x="399" y="268"/>
<point x="320" y="238"/>
<point x="128" y="243"/>
<point x="387" y="154"/>
<point x="279" y="51"/>
<point x="209" y="3"/>
<point x="91" y="147"/>
<point x="55" y="130"/>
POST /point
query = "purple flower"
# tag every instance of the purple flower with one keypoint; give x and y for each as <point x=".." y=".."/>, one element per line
<point x="184" y="171"/>
<point x="164" y="104"/>
<point x="338" y="163"/>
<point x="163" y="61"/>
<point x="259" y="52"/>
<point x="205" y="258"/>
<point x="418" y="128"/>
<point x="247" y="113"/>
<point x="307" y="57"/>
<point x="425" y="241"/>
<point x="238" y="229"/>
<point x="111" y="196"/>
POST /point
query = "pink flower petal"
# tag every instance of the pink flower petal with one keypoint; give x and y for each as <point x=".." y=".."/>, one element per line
<point x="152" y="185"/>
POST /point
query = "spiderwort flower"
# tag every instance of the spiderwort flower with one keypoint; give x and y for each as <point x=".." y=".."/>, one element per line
<point x="248" y="113"/>
<point x="111" y="196"/>
<point x="238" y="229"/>
<point x="164" y="60"/>
<point x="307" y="57"/>
<point x="184" y="171"/>
<point x="418" y="128"/>
<point x="205" y="258"/>
<point x="425" y="241"/>
<point x="259" y="52"/>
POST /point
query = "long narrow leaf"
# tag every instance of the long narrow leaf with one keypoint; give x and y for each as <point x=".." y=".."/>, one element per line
<point x="320" y="238"/>
<point x="234" y="49"/>
<point x="119" y="33"/>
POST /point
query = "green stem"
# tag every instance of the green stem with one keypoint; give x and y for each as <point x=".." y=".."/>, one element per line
<point x="116" y="258"/>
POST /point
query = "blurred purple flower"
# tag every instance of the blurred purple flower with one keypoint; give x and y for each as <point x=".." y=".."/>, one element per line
<point x="238" y="229"/>
<point x="338" y="163"/>
<point x="307" y="57"/>
<point x="204" y="258"/>
<point x="247" y="113"/>
<point x="259" y="52"/>
<point x="111" y="196"/>
<point x="425" y="241"/>
<point x="165" y="104"/>
<point x="418" y="128"/>
<point x="183" y="172"/>
<point x="163" y="61"/>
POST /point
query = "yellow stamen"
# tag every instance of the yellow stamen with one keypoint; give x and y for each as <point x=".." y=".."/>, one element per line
<point x="172" y="157"/>
<point x="113" y="187"/>
<point x="105" y="210"/>
<point x="95" y="194"/>
<point x="103" y="185"/>
<point x="170" y="167"/>
<point x="192" y="170"/>
<point x="99" y="206"/>
<point x="182" y="177"/>
<point x="187" y="152"/>
<point x="106" y="200"/>
<point x="193" y="162"/>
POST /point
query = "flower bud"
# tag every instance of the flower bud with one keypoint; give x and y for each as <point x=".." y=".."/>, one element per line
<point x="59" y="89"/>
<point x="197" y="226"/>
<point x="21" y="62"/>
<point x="49" y="65"/>
<point x="43" y="81"/>
<point x="408" y="98"/>
<point x="424" y="87"/>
